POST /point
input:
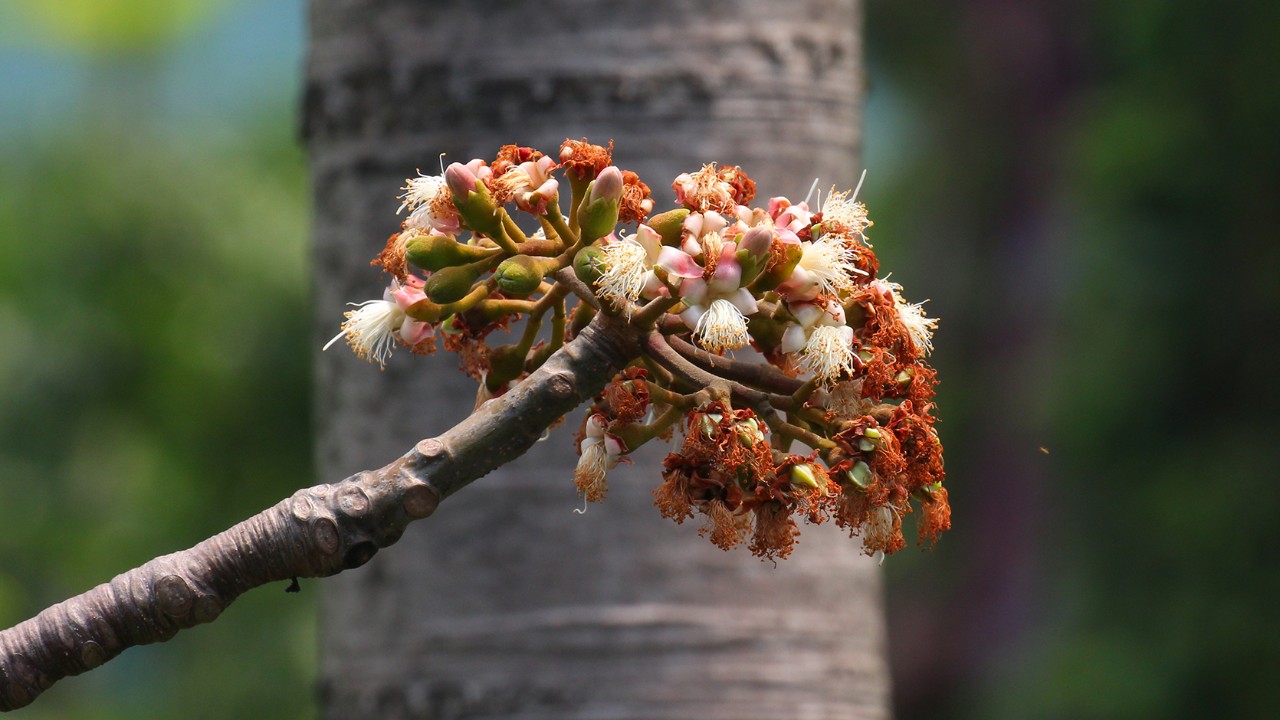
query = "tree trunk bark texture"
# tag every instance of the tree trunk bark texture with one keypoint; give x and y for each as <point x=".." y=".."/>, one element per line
<point x="506" y="603"/>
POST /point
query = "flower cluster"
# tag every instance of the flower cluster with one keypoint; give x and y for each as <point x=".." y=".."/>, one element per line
<point x="763" y="327"/>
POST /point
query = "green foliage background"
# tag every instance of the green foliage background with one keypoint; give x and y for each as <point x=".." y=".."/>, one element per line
<point x="154" y="358"/>
<point x="1085" y="189"/>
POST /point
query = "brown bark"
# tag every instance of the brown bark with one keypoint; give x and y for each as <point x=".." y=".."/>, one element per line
<point x="509" y="604"/>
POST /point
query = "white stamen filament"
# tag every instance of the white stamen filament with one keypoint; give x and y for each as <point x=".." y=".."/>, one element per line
<point x="722" y="327"/>
<point x="831" y="261"/>
<point x="625" y="269"/>
<point x="371" y="328"/>
<point x="828" y="353"/>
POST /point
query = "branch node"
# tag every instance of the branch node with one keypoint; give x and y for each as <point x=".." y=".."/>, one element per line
<point x="430" y="448"/>
<point x="173" y="596"/>
<point x="420" y="501"/>
<point x="325" y="534"/>
<point x="562" y="385"/>
<point x="353" y="501"/>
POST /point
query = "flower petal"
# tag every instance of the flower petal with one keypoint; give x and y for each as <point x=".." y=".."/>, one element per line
<point x="678" y="263"/>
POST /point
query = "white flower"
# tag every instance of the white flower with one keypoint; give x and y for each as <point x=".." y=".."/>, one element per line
<point x="430" y="203"/>
<point x="843" y="216"/>
<point x="822" y="339"/>
<point x="625" y="265"/>
<point x="421" y="191"/>
<point x="722" y="327"/>
<point x="628" y="267"/>
<point x="880" y="530"/>
<point x="717" y="307"/>
<point x="918" y="326"/>
<point x="829" y="352"/>
<point x="373" y="328"/>
<point x="600" y="452"/>
<point x="826" y="267"/>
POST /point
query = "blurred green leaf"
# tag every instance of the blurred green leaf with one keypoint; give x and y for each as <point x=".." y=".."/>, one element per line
<point x="110" y="26"/>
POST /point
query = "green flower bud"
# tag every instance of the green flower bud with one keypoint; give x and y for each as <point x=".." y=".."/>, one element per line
<point x="670" y="225"/>
<point x="904" y="377"/>
<point x="436" y="252"/>
<point x="586" y="264"/>
<point x="520" y="275"/>
<point x="450" y="284"/>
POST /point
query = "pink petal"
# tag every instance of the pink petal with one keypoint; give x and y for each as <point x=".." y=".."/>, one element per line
<point x="728" y="273"/>
<point x="677" y="263"/>
<point x="414" y="332"/>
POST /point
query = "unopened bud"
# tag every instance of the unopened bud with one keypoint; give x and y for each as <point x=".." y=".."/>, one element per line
<point x="757" y="242"/>
<point x="436" y="252"/>
<point x="475" y="204"/>
<point x="606" y="186"/>
<point x="598" y="213"/>
<point x="519" y="276"/>
<point x="460" y="179"/>
<point x="587" y="264"/>
<point x="450" y="284"/>
<point x="669" y="225"/>
<point x="904" y="377"/>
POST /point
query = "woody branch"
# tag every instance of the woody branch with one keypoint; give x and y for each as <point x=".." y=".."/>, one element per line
<point x="316" y="532"/>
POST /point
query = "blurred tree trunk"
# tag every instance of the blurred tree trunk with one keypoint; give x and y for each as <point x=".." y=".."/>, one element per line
<point x="506" y="603"/>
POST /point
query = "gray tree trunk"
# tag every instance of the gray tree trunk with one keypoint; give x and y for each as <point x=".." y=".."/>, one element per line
<point x="506" y="603"/>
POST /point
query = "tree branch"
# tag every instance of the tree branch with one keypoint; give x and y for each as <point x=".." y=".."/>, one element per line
<point x="317" y="532"/>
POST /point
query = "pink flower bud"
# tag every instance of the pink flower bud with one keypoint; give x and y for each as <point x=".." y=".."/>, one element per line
<point x="461" y="180"/>
<point x="757" y="242"/>
<point x="607" y="185"/>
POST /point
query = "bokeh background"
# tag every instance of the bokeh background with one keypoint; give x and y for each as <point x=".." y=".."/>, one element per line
<point x="1088" y="191"/>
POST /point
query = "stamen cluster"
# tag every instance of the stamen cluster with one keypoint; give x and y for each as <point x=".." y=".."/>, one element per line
<point x="763" y="328"/>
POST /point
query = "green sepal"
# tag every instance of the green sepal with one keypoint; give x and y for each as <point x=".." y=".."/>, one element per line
<point x="770" y="279"/>
<point x="752" y="266"/>
<point x="860" y="474"/>
<point x="597" y="219"/>
<point x="804" y="476"/>
<point x="478" y="211"/>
